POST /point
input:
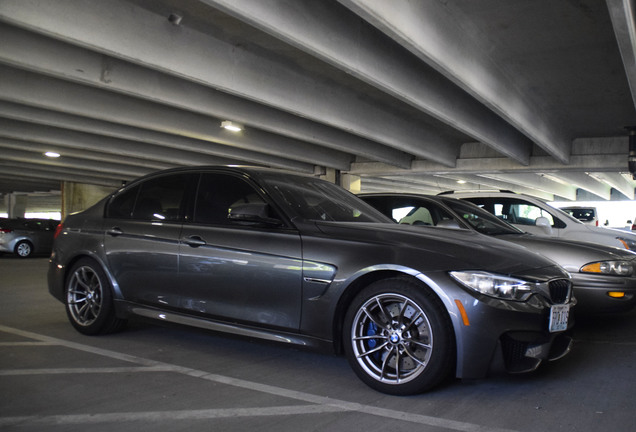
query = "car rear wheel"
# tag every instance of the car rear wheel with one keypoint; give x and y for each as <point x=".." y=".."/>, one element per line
<point x="89" y="303"/>
<point x="23" y="249"/>
<point x="398" y="337"/>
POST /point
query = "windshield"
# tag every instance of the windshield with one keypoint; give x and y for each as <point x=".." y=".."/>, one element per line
<point x="314" y="199"/>
<point x="481" y="220"/>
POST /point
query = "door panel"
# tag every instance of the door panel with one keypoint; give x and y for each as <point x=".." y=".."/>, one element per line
<point x="144" y="259"/>
<point x="238" y="272"/>
<point x="242" y="275"/>
<point x="142" y="230"/>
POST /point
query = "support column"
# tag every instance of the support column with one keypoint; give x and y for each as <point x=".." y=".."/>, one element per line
<point x="352" y="183"/>
<point x="331" y="175"/>
<point x="77" y="196"/>
<point x="16" y="205"/>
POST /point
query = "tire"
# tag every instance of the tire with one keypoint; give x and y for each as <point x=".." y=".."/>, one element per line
<point x="398" y="337"/>
<point x="23" y="249"/>
<point x="89" y="301"/>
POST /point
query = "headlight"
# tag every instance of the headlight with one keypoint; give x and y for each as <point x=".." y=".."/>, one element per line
<point x="616" y="268"/>
<point x="628" y="243"/>
<point x="494" y="285"/>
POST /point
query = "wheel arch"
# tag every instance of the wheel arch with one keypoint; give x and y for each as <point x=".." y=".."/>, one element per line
<point x="361" y="282"/>
<point x="92" y="256"/>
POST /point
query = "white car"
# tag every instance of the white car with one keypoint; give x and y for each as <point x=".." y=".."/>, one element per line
<point x="587" y="215"/>
<point x="538" y="217"/>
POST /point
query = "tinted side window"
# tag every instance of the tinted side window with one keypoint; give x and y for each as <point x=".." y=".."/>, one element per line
<point x="217" y="194"/>
<point x="156" y="199"/>
<point x="410" y="211"/>
<point x="36" y="224"/>
<point x="121" y="205"/>
<point x="420" y="213"/>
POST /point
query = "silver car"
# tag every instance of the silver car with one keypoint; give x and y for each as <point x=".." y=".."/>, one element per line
<point x="298" y="260"/>
<point x="26" y="237"/>
<point x="604" y="277"/>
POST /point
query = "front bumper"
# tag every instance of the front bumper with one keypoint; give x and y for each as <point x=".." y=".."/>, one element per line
<point x="593" y="293"/>
<point x="524" y="352"/>
<point x="512" y="337"/>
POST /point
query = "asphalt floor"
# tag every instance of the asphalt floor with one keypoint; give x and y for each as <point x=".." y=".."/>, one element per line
<point x="153" y="377"/>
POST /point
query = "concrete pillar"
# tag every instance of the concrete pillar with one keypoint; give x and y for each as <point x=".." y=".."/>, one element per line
<point x="16" y="205"/>
<point x="331" y="175"/>
<point x="77" y="197"/>
<point x="352" y="183"/>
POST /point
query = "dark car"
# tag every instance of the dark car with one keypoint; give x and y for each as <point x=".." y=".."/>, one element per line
<point x="26" y="237"/>
<point x="604" y="277"/>
<point x="295" y="259"/>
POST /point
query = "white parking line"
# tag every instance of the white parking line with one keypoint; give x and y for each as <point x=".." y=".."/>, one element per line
<point x="97" y="370"/>
<point x="5" y="344"/>
<point x="162" y="416"/>
<point x="321" y="403"/>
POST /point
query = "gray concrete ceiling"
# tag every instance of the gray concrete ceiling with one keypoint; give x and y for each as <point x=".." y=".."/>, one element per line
<point x="532" y="96"/>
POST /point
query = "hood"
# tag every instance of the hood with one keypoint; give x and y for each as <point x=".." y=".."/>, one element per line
<point x="569" y="254"/>
<point x="438" y="248"/>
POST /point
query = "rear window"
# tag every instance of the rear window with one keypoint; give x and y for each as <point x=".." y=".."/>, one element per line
<point x="160" y="199"/>
<point x="583" y="214"/>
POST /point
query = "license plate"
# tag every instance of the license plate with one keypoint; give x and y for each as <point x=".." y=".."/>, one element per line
<point x="559" y="317"/>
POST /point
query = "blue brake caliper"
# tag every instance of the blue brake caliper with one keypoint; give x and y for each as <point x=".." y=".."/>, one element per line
<point x="372" y="330"/>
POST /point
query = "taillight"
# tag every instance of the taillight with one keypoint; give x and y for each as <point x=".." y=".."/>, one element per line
<point x="5" y="230"/>
<point x="58" y="230"/>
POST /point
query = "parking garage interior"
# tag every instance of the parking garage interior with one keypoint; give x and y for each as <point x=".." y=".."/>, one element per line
<point x="424" y="97"/>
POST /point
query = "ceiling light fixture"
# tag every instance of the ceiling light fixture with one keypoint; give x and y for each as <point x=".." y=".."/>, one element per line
<point x="231" y="126"/>
<point x="461" y="181"/>
<point x="52" y="154"/>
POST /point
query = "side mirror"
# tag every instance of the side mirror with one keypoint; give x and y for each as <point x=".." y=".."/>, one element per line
<point x="252" y="214"/>
<point x="544" y="224"/>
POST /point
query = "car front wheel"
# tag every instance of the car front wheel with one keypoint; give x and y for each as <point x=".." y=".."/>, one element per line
<point x="398" y="337"/>
<point x="89" y="303"/>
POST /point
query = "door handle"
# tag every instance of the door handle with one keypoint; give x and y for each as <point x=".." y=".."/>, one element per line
<point x="194" y="241"/>
<point x="115" y="231"/>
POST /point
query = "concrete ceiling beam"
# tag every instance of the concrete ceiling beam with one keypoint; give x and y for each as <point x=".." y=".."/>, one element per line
<point x="585" y="182"/>
<point x="536" y="181"/>
<point x="432" y="182"/>
<point x="488" y="183"/>
<point x="81" y="140"/>
<point x="617" y="181"/>
<point x="37" y="171"/>
<point x="111" y="170"/>
<point x="108" y="28"/>
<point x="361" y="51"/>
<point x="83" y="124"/>
<point x="76" y="153"/>
<point x="447" y="42"/>
<point x="387" y="185"/>
<point x="168" y="127"/>
<point x="39" y="53"/>
<point x="623" y="15"/>
<point x="578" y="163"/>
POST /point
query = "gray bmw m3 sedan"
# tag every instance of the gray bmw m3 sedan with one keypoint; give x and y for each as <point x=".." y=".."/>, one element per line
<point x="295" y="259"/>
